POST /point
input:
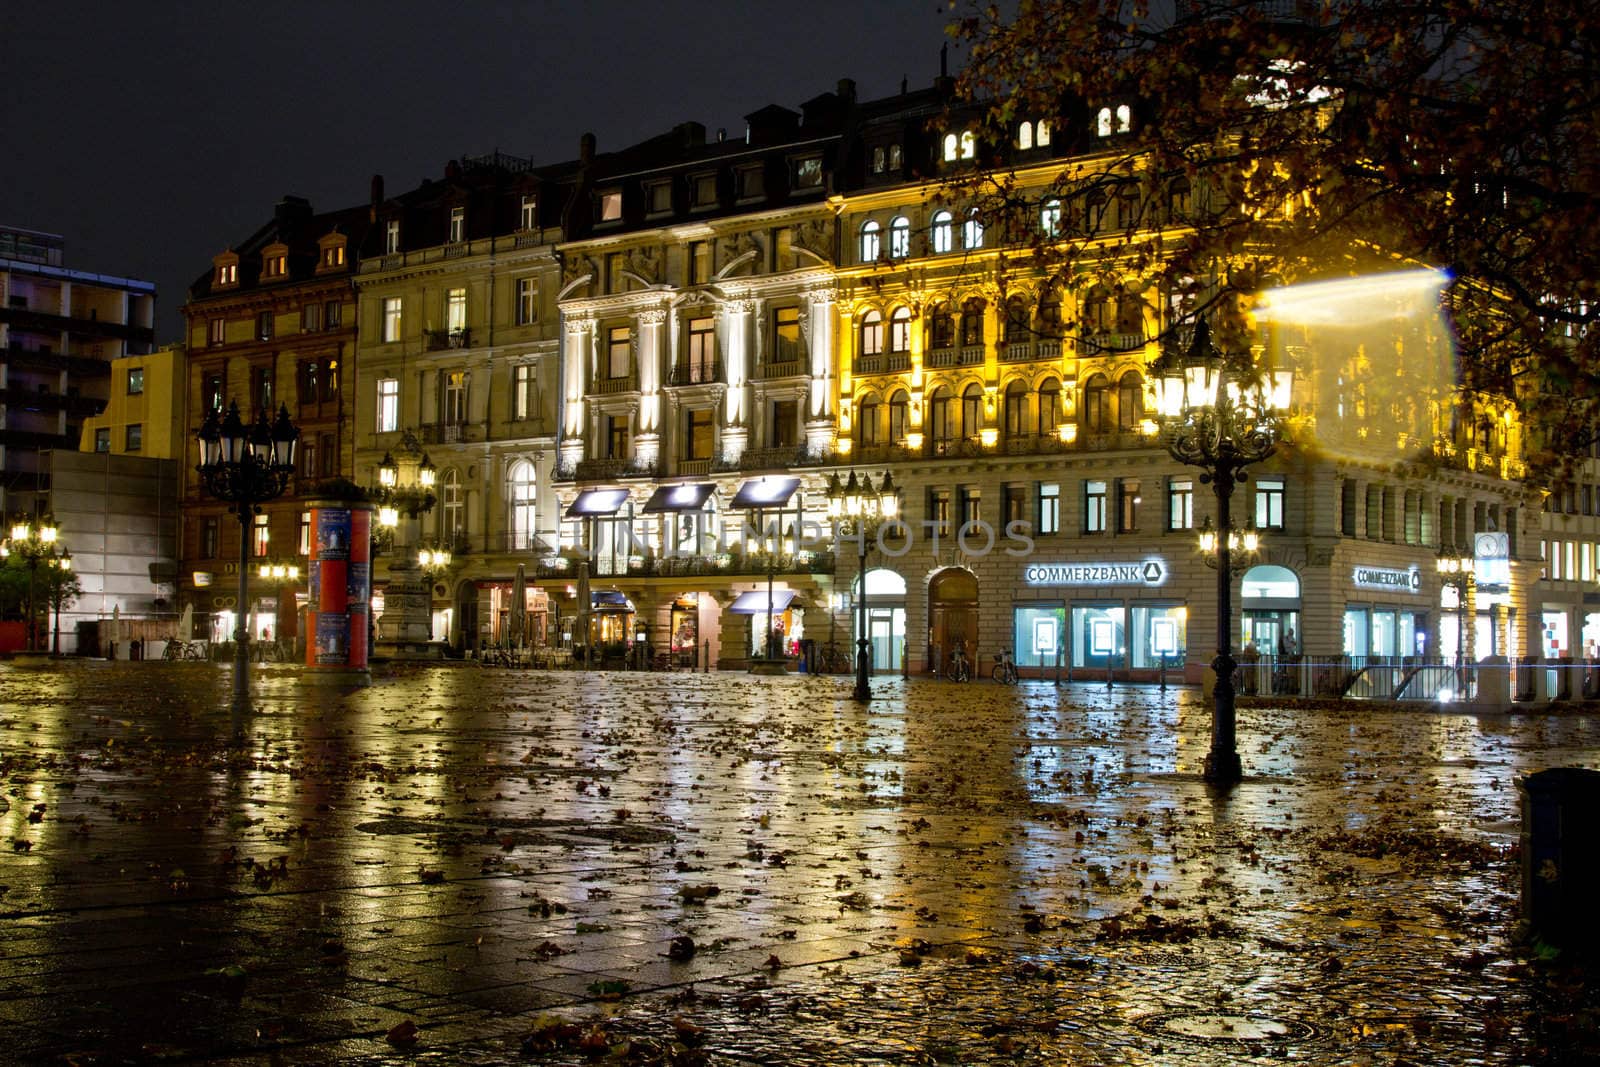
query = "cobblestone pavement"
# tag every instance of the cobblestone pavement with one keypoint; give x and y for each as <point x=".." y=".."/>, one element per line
<point x="678" y="868"/>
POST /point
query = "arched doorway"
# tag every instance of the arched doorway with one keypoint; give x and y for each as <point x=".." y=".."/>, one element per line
<point x="1269" y="600"/>
<point x="886" y="618"/>
<point x="952" y="616"/>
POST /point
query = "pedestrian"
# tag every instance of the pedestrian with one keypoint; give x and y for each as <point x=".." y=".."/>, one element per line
<point x="1286" y="644"/>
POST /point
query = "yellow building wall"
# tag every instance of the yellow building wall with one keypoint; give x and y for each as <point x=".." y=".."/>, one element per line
<point x="157" y="409"/>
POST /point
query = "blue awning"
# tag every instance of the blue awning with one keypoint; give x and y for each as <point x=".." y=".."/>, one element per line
<point x="755" y="602"/>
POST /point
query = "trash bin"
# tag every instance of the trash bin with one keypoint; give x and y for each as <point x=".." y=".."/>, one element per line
<point x="136" y="649"/>
<point x="1527" y="667"/>
<point x="1561" y="857"/>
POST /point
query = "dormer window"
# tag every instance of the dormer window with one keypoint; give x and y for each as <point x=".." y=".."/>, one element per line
<point x="458" y="225"/>
<point x="610" y="203"/>
<point x="704" y="188"/>
<point x="1033" y="135"/>
<point x="529" y="219"/>
<point x="274" y="262"/>
<point x="808" y="172"/>
<point x="227" y="269"/>
<point x="331" y="252"/>
<point x="391" y="237"/>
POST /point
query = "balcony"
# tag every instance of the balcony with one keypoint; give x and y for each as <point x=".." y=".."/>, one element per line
<point x="79" y="406"/>
<point x="612" y="386"/>
<point x="610" y="470"/>
<point x="789" y="368"/>
<point x="437" y="340"/>
<point x="970" y="355"/>
<point x="897" y="362"/>
<point x="865" y="365"/>
<point x="777" y="458"/>
<point x="696" y="372"/>
<point x="452" y="433"/>
<point x="941" y="357"/>
<point x="956" y="447"/>
<point x="1109" y="341"/>
<point x="79" y="364"/>
<point x="43" y="322"/>
<point x="694" y="467"/>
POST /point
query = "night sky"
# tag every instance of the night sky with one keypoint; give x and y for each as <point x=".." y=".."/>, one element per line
<point x="150" y="136"/>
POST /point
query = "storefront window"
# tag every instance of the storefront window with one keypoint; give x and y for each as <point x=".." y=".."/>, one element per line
<point x="1098" y="635"/>
<point x="1037" y="634"/>
<point x="1160" y="635"/>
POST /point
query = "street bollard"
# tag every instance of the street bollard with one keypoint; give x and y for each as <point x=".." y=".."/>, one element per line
<point x="705" y="663"/>
<point x="1560" y="857"/>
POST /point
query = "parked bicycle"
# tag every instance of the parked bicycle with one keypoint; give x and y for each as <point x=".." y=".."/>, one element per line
<point x="832" y="661"/>
<point x="181" y="650"/>
<point x="960" y="666"/>
<point x="1005" y="668"/>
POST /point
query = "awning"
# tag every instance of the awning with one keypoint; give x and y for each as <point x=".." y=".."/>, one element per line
<point x="609" y="600"/>
<point x="679" y="497"/>
<point x="598" y="502"/>
<point x="755" y="602"/>
<point x="765" y="493"/>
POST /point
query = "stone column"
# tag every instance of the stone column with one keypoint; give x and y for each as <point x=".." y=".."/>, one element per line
<point x="649" y="351"/>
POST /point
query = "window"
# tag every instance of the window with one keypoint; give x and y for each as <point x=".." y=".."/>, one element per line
<point x="616" y="436"/>
<point x="332" y="315"/>
<point x="952" y="147"/>
<point x="879" y="159"/>
<point x="1049" y="508"/>
<point x="310" y="371"/>
<point x="391" y="319"/>
<point x="972" y="411"/>
<point x="1013" y="504"/>
<point x="330" y="380"/>
<point x="867" y="422"/>
<point x="872" y="334"/>
<point x="972" y="231"/>
<point x="870" y="243"/>
<point x="261" y="383"/>
<point x="939" y="232"/>
<point x="1050" y="313"/>
<point x="1269" y="503"/>
<point x="808" y="173"/>
<point x="311" y="318"/>
<point x="527" y="301"/>
<point x="1025" y="135"/>
<point x="264" y="326"/>
<point x="1178" y="200"/>
<point x="521" y="496"/>
<point x="452" y="508"/>
<point x="523" y="396"/>
<point x="333" y="256"/>
<point x="210" y="536"/>
<point x="216" y="335"/>
<point x="135" y="381"/>
<point x="699" y="262"/>
<point x="1049" y="406"/>
<point x="274" y="266"/>
<point x="1096" y="405"/>
<point x="939" y="508"/>
<point x="941" y="327"/>
<point x="702" y="350"/>
<point x="1017" y="327"/>
<point x="1347" y="507"/>
<point x="458" y="225"/>
<point x="391" y="237"/>
<point x="1041" y="133"/>
<point x="752" y="183"/>
<point x="1094" y="507"/>
<point x="941" y="411"/>
<point x="228" y="274"/>
<point x="1015" y="422"/>
<point x="454" y="411"/>
<point x="897" y="417"/>
<point x="619" y="355"/>
<point x="528" y="219"/>
<point x="304" y="541"/>
<point x="658" y="197"/>
<point x="704" y="190"/>
<point x="1180" y="504"/>
<point x="971" y="506"/>
<point x="699" y="438"/>
<point x="308" y="456"/>
<point x="896" y="157"/>
<point x="260" y="537"/>
<point x="972" y="322"/>
<point x="455" y="312"/>
<point x="1130" y="401"/>
<point x="610" y="205"/>
<point x="1050" y="217"/>
<point x="388" y="419"/>
<point x="211" y="393"/>
<point x="786" y="334"/>
<point x="899" y="237"/>
<point x="784" y="426"/>
<point x="102" y="439"/>
<point x="900" y="330"/>
<point x="1108" y="121"/>
<point x="1127" y="505"/>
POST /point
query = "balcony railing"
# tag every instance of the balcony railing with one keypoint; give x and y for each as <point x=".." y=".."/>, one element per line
<point x="820" y="561"/>
<point x="788" y="368"/>
<point x="610" y="386"/>
<point x="896" y="362"/>
<point x="451" y="433"/>
<point x="970" y="355"/>
<point x="1111" y="341"/>
<point x="434" y="340"/>
<point x="694" y="467"/>
<point x="777" y="458"/>
<point x="609" y="470"/>
<point x="867" y="365"/>
<point x="941" y="357"/>
<point x="696" y="372"/>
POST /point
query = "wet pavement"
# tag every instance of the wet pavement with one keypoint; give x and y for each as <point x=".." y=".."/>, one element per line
<point x="460" y="865"/>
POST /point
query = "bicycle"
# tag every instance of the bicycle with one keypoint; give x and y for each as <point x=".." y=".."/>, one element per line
<point x="1005" y="668"/>
<point x="832" y="661"/>
<point x="960" y="667"/>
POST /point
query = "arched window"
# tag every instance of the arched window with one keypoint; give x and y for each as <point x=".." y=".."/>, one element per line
<point x="1178" y="200"/>
<point x="972" y="322"/>
<point x="872" y="334"/>
<point x="941" y="328"/>
<point x="899" y="237"/>
<point x="1016" y="410"/>
<point x="1096" y="404"/>
<point x="1094" y="211"/>
<point x="1041" y="133"/>
<point x="972" y="231"/>
<point x="520" y="491"/>
<point x="939" y="232"/>
<point x="869" y="241"/>
<point x="452" y="510"/>
<point x="897" y="417"/>
<point x="1127" y="208"/>
<point x="942" y="413"/>
<point x="1050" y="217"/>
<point x="1018" y="328"/>
<point x="867" y="421"/>
<point x="951" y="147"/>
<point x="1025" y="135"/>
<point x="1097" y="311"/>
<point x="1102" y="122"/>
<point x="1130" y="401"/>
<point x="1124" y="118"/>
<point x="972" y="410"/>
<point x="900" y="330"/>
<point x="1049" y="406"/>
<point x="969" y="144"/>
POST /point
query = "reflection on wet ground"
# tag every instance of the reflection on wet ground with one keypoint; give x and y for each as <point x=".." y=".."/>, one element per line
<point x="701" y="868"/>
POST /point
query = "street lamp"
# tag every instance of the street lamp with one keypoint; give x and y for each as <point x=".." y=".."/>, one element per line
<point x="856" y="503"/>
<point x="405" y="490"/>
<point x="34" y="542"/>
<point x="245" y="467"/>
<point x="1221" y="414"/>
<point x="1456" y="571"/>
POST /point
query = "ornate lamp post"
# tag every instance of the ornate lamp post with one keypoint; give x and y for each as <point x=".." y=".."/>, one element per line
<point x="857" y="504"/>
<point x="245" y="467"/>
<point x="34" y="542"/>
<point x="1456" y="571"/>
<point x="1221" y="414"/>
<point x="405" y="491"/>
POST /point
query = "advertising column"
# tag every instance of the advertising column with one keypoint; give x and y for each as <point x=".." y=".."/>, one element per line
<point x="339" y="588"/>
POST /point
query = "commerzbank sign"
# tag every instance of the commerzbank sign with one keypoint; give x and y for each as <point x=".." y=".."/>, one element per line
<point x="1144" y="572"/>
<point x="1388" y="578"/>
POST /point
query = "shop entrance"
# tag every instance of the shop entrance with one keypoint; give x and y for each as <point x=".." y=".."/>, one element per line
<point x="952" y="617"/>
<point x="1269" y="600"/>
<point x="886" y="619"/>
